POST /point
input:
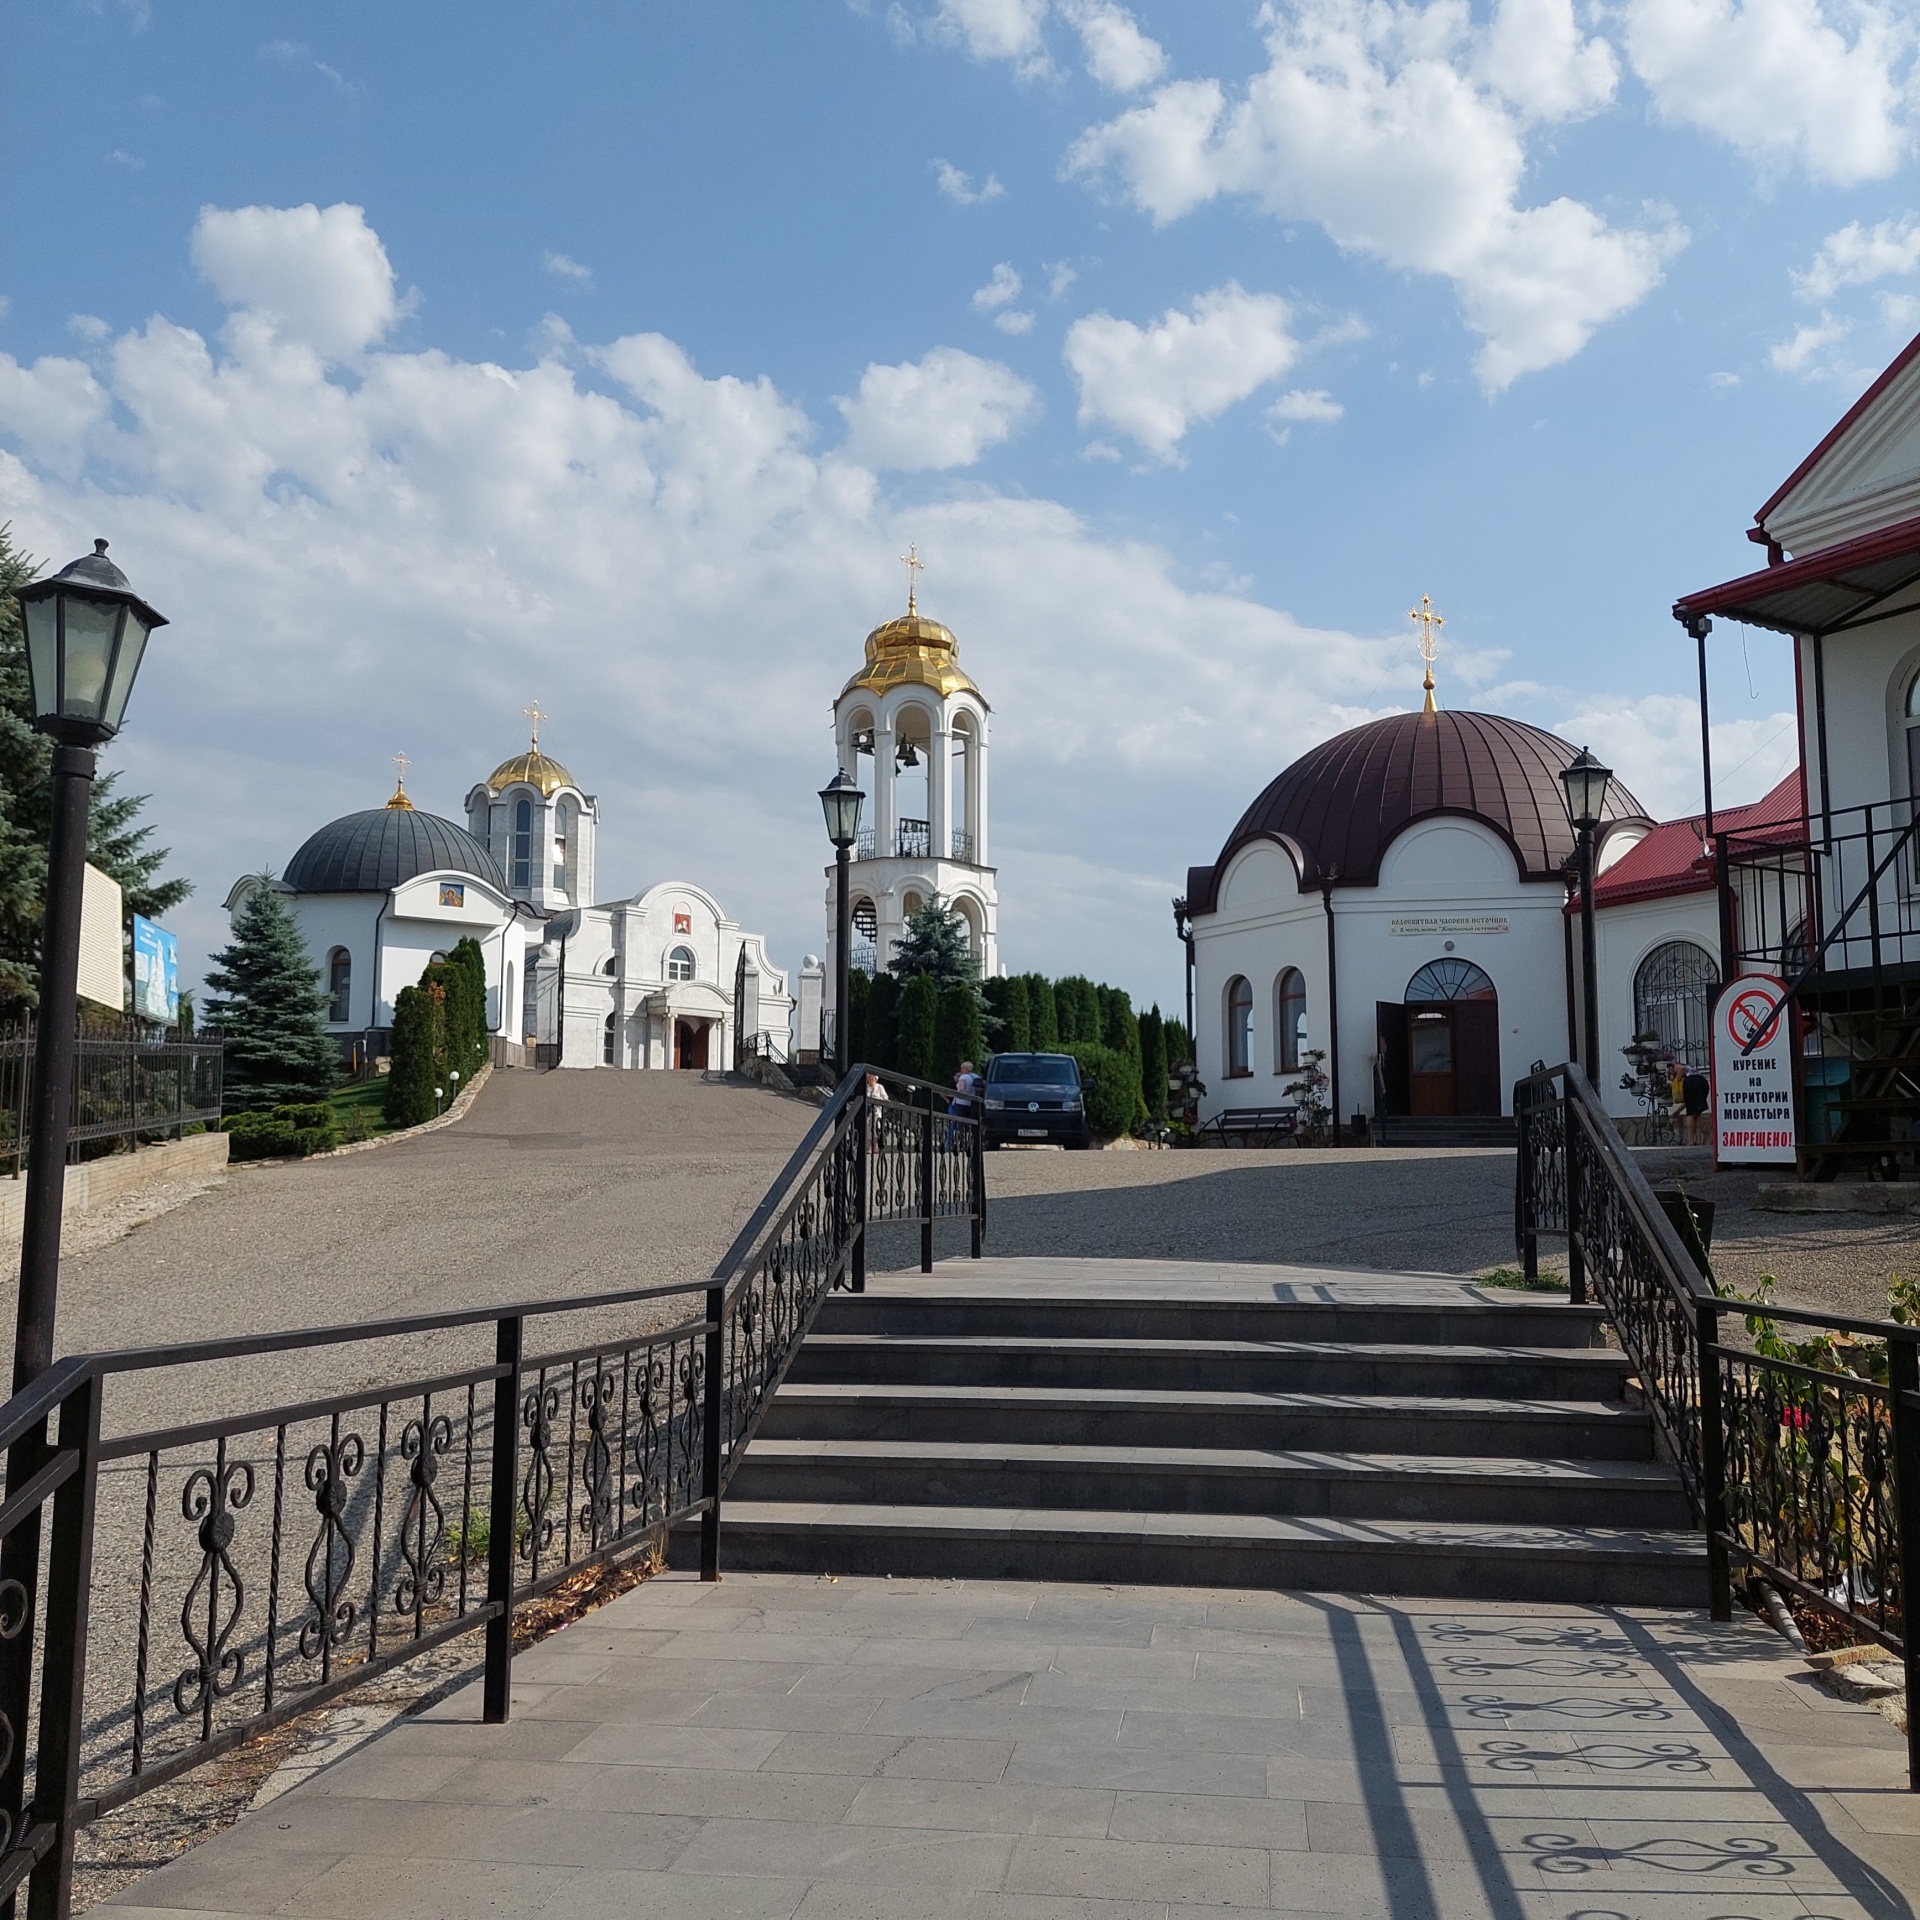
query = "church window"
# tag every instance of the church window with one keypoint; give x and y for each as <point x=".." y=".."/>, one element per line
<point x="1289" y="1020"/>
<point x="339" y="986"/>
<point x="562" y="840"/>
<point x="1913" y="737"/>
<point x="612" y="965"/>
<point x="1450" y="979"/>
<point x="610" y="1047"/>
<point x="1672" y="992"/>
<point x="680" y="964"/>
<point x="523" y="843"/>
<point x="1239" y="1027"/>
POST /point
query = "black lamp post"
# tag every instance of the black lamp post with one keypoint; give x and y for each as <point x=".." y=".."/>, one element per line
<point x="840" y="801"/>
<point x="1586" y="781"/>
<point x="86" y="629"/>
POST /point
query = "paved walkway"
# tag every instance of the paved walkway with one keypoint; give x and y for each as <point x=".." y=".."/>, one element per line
<point x="865" y="1749"/>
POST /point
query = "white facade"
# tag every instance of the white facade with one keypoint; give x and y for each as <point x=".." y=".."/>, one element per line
<point x="912" y="731"/>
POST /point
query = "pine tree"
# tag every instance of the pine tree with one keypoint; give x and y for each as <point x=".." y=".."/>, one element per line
<point x="1043" y="1018"/>
<point x="919" y="1010"/>
<point x="271" y="1013"/>
<point x="1153" y="1062"/>
<point x="880" y="1033"/>
<point x="956" y="1032"/>
<point x="935" y="943"/>
<point x="116" y="842"/>
<point x="419" y="1035"/>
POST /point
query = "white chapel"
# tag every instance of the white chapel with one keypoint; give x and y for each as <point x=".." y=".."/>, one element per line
<point x="662" y="979"/>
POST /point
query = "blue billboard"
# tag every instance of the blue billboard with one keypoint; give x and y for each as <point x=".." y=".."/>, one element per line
<point x="156" y="972"/>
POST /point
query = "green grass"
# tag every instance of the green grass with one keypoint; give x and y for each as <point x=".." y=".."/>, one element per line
<point x="360" y="1110"/>
<point x="1512" y="1277"/>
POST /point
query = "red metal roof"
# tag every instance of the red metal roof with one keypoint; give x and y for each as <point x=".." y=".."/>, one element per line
<point x="1820" y="592"/>
<point x="1673" y="857"/>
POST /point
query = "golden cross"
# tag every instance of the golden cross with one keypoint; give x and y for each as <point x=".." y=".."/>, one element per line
<point x="534" y="714"/>
<point x="1429" y="644"/>
<point x="400" y="765"/>
<point x="914" y="564"/>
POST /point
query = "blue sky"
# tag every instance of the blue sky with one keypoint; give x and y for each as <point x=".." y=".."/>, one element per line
<point x="421" y="361"/>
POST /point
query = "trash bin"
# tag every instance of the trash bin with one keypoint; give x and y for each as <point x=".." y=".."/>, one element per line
<point x="1692" y="1220"/>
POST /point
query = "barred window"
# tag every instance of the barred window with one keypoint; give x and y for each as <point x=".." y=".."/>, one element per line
<point x="1672" y="993"/>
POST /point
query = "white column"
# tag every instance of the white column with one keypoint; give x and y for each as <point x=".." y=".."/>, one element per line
<point x="885" y="825"/>
<point x="940" y="787"/>
<point x="977" y="793"/>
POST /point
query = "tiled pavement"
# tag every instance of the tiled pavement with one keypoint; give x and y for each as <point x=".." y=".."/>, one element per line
<point x="778" y="1746"/>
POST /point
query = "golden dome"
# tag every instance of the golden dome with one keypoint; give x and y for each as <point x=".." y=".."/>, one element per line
<point x="535" y="770"/>
<point x="912" y="651"/>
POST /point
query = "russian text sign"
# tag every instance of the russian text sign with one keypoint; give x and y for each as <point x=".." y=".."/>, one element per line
<point x="1753" y="1091"/>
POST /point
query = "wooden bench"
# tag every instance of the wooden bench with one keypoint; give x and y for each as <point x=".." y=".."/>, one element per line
<point x="1252" y="1126"/>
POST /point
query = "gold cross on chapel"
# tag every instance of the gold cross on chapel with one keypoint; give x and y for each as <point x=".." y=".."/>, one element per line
<point x="1429" y="642"/>
<point x="400" y="765"/>
<point x="914" y="564"/>
<point x="534" y="714"/>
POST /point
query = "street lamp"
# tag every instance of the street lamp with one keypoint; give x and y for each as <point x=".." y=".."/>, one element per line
<point x="86" y="630"/>
<point x="840" y="801"/>
<point x="1586" y="781"/>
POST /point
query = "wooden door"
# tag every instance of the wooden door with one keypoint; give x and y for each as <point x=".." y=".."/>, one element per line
<point x="1390" y="1026"/>
<point x="1476" y="1056"/>
<point x="690" y="1044"/>
<point x="1430" y="1062"/>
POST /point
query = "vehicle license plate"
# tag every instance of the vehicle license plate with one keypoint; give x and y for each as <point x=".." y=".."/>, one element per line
<point x="1033" y="1133"/>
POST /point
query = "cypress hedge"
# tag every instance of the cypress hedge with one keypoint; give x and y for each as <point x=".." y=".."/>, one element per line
<point x="419" y="1039"/>
<point x="880" y="1028"/>
<point x="956" y="1033"/>
<point x="1153" y="1062"/>
<point x="1043" y="1018"/>
<point x="919" y="1012"/>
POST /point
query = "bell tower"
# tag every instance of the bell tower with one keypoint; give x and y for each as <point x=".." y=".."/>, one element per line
<point x="911" y="730"/>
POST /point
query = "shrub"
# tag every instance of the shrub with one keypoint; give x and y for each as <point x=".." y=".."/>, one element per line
<point x="1043" y="1019"/>
<point x="419" y="1029"/>
<point x="880" y="1030"/>
<point x="307" y="1127"/>
<point x="1113" y="1100"/>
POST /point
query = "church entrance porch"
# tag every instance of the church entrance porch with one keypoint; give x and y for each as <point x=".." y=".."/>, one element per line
<point x="690" y="1043"/>
<point x="1439" y="1048"/>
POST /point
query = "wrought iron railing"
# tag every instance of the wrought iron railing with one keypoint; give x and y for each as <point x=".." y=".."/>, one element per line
<point x="1796" y="1433"/>
<point x="205" y="1580"/>
<point x="129" y="1079"/>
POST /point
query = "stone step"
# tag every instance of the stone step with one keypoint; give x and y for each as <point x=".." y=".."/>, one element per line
<point x="1247" y="1366"/>
<point x="1597" y="1566"/>
<point x="1211" y="1480"/>
<point x="1162" y="1421"/>
<point x="1461" y="1318"/>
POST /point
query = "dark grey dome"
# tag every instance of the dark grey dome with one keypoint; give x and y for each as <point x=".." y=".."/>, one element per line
<point x="374" y="851"/>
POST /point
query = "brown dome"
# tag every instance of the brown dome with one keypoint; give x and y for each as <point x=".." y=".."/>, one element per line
<point x="1343" y="803"/>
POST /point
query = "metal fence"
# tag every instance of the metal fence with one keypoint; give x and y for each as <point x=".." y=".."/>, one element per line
<point x="130" y="1081"/>
<point x="1796" y="1433"/>
<point x="209" y="1578"/>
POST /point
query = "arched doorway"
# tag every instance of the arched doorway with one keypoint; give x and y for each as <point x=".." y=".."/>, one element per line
<point x="1440" y="1047"/>
<point x="690" y="1043"/>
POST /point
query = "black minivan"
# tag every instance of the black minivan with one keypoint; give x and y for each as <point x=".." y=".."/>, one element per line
<point x="1037" y="1098"/>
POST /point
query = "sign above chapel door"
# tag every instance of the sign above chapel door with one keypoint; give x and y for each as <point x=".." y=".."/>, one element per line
<point x="1435" y="926"/>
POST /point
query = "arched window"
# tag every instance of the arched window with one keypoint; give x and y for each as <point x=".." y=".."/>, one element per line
<point x="680" y="964"/>
<point x="1913" y="737"/>
<point x="612" y="965"/>
<point x="562" y="845"/>
<point x="1672" y="993"/>
<point x="339" y="986"/>
<point x="1289" y="1020"/>
<point x="1450" y="979"/>
<point x="523" y="843"/>
<point x="610" y="1047"/>
<point x="1239" y="1027"/>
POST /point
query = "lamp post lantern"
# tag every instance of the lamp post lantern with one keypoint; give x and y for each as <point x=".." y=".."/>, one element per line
<point x="840" y="801"/>
<point x="86" y="630"/>
<point x="1586" y="781"/>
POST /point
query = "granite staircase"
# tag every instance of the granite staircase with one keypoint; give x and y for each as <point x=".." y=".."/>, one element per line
<point x="1220" y="1426"/>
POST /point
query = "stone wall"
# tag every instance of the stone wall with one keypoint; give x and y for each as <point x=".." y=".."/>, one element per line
<point x="92" y="1184"/>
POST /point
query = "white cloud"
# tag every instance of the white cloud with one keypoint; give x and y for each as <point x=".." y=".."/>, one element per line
<point x="87" y="326"/>
<point x="1118" y="54"/>
<point x="1801" y="353"/>
<point x="1394" y="131"/>
<point x="319" y="277"/>
<point x="1015" y="320"/>
<point x="298" y="55"/>
<point x="1781" y="81"/>
<point x="1152" y="383"/>
<point x="997" y="30"/>
<point x="1653" y="744"/>
<point x="1060" y="277"/>
<point x="959" y="187"/>
<point x="1001" y="290"/>
<point x="564" y="267"/>
<point x="1856" y="256"/>
<point x="943" y="410"/>
<point x="1307" y="403"/>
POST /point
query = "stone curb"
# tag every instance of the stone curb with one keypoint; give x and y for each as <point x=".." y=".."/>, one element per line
<point x="458" y="1111"/>
<point x="1854" y="1196"/>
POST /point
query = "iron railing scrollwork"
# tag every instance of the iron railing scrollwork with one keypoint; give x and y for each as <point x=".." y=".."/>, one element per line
<point x="301" y="1550"/>
<point x="1795" y="1433"/>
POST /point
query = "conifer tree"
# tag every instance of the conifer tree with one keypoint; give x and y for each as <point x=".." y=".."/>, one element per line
<point x="880" y="1032"/>
<point x="859" y="992"/>
<point x="935" y="943"/>
<point x="116" y="842"/>
<point x="419" y="1036"/>
<point x="1019" y="1037"/>
<point x="1153" y="1062"/>
<point x="271" y="1014"/>
<point x="956" y="1034"/>
<point x="919" y="1010"/>
<point x="1043" y="1020"/>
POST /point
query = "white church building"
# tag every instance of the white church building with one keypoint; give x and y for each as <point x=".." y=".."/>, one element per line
<point x="663" y="979"/>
